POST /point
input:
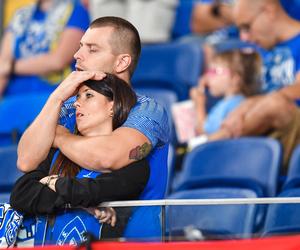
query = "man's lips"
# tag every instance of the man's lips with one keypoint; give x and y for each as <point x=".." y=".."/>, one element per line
<point x="78" y="68"/>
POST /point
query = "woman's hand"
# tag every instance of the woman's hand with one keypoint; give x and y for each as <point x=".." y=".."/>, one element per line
<point x="50" y="181"/>
<point x="104" y="215"/>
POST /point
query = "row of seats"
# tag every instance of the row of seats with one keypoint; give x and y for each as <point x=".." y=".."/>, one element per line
<point x="248" y="162"/>
<point x="252" y="163"/>
<point x="231" y="221"/>
<point x="236" y="168"/>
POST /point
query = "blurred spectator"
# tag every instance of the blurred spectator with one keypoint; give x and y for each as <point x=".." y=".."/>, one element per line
<point x="210" y="23"/>
<point x="37" y="47"/>
<point x="10" y="8"/>
<point x="213" y="19"/>
<point x="153" y="19"/>
<point x="233" y="76"/>
<point x="273" y="113"/>
<point x="292" y="7"/>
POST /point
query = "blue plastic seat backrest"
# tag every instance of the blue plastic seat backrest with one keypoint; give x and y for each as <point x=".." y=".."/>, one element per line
<point x="293" y="175"/>
<point x="173" y="65"/>
<point x="8" y="168"/>
<point x="246" y="162"/>
<point x="17" y="112"/>
<point x="283" y="218"/>
<point x="236" y="221"/>
<point x="4" y="197"/>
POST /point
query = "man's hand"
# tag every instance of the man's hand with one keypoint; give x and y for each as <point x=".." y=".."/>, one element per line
<point x="60" y="132"/>
<point x="70" y="85"/>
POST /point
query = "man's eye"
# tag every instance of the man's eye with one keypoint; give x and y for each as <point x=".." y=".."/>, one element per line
<point x="93" y="50"/>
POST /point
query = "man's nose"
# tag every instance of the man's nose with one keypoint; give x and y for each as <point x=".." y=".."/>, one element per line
<point x="78" y="55"/>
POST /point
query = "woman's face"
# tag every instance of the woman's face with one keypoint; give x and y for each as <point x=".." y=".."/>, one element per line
<point x="93" y="112"/>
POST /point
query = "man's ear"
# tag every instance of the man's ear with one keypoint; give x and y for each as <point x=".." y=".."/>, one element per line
<point x="122" y="63"/>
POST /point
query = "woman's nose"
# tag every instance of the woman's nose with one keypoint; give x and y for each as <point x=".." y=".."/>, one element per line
<point x="76" y="104"/>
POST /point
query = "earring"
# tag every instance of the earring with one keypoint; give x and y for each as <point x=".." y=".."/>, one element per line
<point x="111" y="113"/>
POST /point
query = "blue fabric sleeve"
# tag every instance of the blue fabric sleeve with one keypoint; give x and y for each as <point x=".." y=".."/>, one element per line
<point x="220" y="111"/>
<point x="151" y="119"/>
<point x="79" y="18"/>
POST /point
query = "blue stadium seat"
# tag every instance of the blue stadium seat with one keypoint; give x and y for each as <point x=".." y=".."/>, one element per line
<point x="249" y="162"/>
<point x="16" y="113"/>
<point x="4" y="197"/>
<point x="283" y="218"/>
<point x="173" y="65"/>
<point x="8" y="168"/>
<point x="293" y="175"/>
<point x="214" y="221"/>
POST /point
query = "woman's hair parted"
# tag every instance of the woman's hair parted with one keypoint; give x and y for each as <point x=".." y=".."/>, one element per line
<point x="124" y="98"/>
<point x="247" y="65"/>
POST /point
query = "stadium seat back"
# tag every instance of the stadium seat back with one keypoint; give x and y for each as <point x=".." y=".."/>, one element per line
<point x="215" y="221"/>
<point x="252" y="162"/>
<point x="173" y="65"/>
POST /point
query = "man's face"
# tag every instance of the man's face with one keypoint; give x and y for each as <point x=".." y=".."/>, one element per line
<point x="95" y="52"/>
<point x="254" y="23"/>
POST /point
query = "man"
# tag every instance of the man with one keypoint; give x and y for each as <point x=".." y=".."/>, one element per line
<point x="265" y="23"/>
<point x="111" y="45"/>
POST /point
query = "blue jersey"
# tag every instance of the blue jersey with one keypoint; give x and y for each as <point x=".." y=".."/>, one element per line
<point x="280" y="64"/>
<point x="36" y="32"/>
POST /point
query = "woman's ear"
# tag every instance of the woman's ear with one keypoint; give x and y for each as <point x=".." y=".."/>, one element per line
<point x="123" y="62"/>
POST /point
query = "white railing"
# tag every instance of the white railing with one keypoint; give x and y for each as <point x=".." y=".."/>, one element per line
<point x="182" y="202"/>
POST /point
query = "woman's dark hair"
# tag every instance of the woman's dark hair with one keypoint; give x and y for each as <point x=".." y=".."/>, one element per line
<point x="247" y="64"/>
<point x="124" y="98"/>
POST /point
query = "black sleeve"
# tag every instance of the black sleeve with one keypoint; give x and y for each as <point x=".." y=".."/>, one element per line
<point x="124" y="184"/>
<point x="32" y="197"/>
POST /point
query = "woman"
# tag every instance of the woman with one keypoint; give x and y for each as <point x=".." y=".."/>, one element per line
<point x="37" y="48"/>
<point x="57" y="190"/>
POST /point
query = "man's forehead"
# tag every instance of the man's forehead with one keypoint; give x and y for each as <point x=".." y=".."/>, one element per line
<point x="97" y="35"/>
<point x="243" y="12"/>
<point x="102" y="32"/>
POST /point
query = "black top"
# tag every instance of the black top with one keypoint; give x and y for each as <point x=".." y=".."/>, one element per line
<point x="34" y="198"/>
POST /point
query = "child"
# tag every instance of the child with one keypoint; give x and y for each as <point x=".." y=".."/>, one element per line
<point x="232" y="76"/>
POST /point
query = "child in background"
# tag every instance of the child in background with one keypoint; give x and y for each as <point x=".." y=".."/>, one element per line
<point x="233" y="76"/>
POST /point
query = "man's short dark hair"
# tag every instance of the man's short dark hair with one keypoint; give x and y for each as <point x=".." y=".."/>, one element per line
<point x="125" y="38"/>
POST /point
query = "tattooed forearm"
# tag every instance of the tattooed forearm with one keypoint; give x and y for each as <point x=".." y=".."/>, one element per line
<point x="140" y="152"/>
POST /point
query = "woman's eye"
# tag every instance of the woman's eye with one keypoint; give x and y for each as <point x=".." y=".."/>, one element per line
<point x="88" y="95"/>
